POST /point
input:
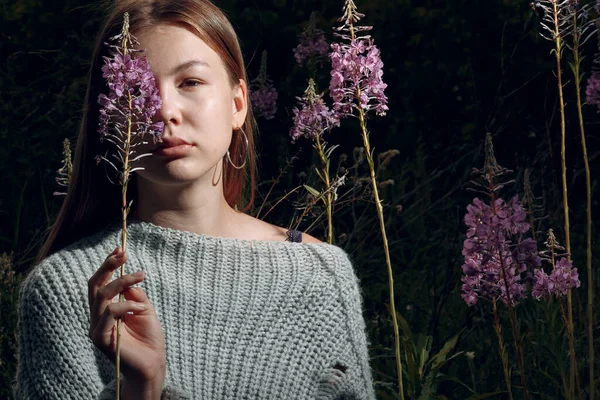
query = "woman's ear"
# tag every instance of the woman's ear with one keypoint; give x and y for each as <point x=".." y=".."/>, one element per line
<point x="240" y="104"/>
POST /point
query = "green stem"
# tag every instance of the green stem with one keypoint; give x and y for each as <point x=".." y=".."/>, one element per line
<point x="502" y="349"/>
<point x="379" y="207"/>
<point x="571" y="346"/>
<point x="511" y="310"/>
<point x="557" y="53"/>
<point x="124" y="211"/>
<point x="556" y="346"/>
<point x="326" y="181"/>
<point x="590" y="297"/>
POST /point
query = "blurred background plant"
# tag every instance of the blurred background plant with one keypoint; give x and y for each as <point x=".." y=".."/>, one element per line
<point x="455" y="70"/>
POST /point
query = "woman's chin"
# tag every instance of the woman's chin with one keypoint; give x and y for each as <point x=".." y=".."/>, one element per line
<point x="173" y="176"/>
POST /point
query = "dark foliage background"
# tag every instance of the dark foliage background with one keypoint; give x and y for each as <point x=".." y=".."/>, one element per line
<point x="456" y="70"/>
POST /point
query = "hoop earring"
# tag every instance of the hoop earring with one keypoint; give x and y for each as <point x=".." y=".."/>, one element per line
<point x="247" y="147"/>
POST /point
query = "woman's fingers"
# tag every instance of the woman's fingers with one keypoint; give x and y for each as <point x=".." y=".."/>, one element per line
<point x="103" y="275"/>
<point x="102" y="333"/>
<point x="136" y="294"/>
<point x="106" y="293"/>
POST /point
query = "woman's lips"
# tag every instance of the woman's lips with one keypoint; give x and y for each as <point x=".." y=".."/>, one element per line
<point x="173" y="151"/>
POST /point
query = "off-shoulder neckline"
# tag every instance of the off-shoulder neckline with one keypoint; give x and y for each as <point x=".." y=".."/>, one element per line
<point x="134" y="224"/>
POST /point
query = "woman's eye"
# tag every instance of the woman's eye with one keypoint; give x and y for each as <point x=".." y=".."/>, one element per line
<point x="190" y="83"/>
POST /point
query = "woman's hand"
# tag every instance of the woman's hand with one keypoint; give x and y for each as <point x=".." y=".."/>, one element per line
<point x="143" y="362"/>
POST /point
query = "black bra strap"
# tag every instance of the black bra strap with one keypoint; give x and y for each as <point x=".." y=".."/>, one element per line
<point x="294" y="236"/>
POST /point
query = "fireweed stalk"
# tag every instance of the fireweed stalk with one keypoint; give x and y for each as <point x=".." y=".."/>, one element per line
<point x="312" y="118"/>
<point x="496" y="252"/>
<point x="357" y="88"/>
<point x="593" y="97"/>
<point x="125" y="119"/>
<point x="63" y="175"/>
<point x="560" y="20"/>
<point x="561" y="280"/>
<point x="263" y="95"/>
<point x="502" y="348"/>
<point x="312" y="47"/>
<point x="582" y="30"/>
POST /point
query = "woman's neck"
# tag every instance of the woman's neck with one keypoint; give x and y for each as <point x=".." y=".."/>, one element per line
<point x="190" y="207"/>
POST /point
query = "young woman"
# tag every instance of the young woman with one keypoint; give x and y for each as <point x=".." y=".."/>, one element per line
<point x="223" y="306"/>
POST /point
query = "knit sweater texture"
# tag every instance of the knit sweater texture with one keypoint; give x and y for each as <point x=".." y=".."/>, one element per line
<point x="242" y="319"/>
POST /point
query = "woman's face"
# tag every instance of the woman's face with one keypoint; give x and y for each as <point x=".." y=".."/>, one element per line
<point x="199" y="105"/>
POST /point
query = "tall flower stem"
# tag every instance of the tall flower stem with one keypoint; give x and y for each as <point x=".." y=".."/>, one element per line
<point x="511" y="310"/>
<point x="590" y="299"/>
<point x="325" y="178"/>
<point x="502" y="349"/>
<point x="379" y="207"/>
<point x="125" y="118"/>
<point x="558" y="46"/>
<point x="124" y="212"/>
<point x="356" y="84"/>
<point x="571" y="347"/>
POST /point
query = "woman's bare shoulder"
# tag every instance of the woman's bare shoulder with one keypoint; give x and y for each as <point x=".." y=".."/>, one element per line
<point x="306" y="238"/>
<point x="261" y="230"/>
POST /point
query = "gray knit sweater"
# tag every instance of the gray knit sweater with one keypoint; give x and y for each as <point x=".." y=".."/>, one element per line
<point x="242" y="319"/>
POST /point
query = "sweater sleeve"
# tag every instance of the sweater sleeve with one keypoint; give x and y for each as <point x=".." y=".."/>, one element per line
<point x="56" y="358"/>
<point x="349" y="377"/>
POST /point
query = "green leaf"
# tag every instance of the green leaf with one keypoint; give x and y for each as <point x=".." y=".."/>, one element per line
<point x="423" y="345"/>
<point x="128" y="208"/>
<point x="404" y="325"/>
<point x="319" y="174"/>
<point x="572" y="66"/>
<point x="411" y="368"/>
<point x="430" y="386"/>
<point x="312" y="191"/>
<point x="439" y="359"/>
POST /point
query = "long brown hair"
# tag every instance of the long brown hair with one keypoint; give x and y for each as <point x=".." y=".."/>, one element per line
<point x="92" y="200"/>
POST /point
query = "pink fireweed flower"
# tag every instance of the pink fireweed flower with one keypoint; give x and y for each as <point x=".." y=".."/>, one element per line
<point x="494" y="240"/>
<point x="496" y="252"/>
<point x="312" y="117"/>
<point x="312" y="43"/>
<point x="592" y="91"/>
<point x="356" y="68"/>
<point x="562" y="278"/>
<point x="131" y="103"/>
<point x="263" y="95"/>
<point x="128" y="79"/>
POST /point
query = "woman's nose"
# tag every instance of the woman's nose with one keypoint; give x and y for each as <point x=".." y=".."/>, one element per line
<point x="169" y="112"/>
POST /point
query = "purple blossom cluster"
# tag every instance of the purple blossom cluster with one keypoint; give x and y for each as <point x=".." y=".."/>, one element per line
<point x="562" y="278"/>
<point x="496" y="253"/>
<point x="129" y="79"/>
<point x="312" y="43"/>
<point x="357" y="69"/>
<point x="356" y="74"/>
<point x="132" y="101"/>
<point x="264" y="101"/>
<point x="263" y="95"/>
<point x="312" y="117"/>
<point x="592" y="91"/>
